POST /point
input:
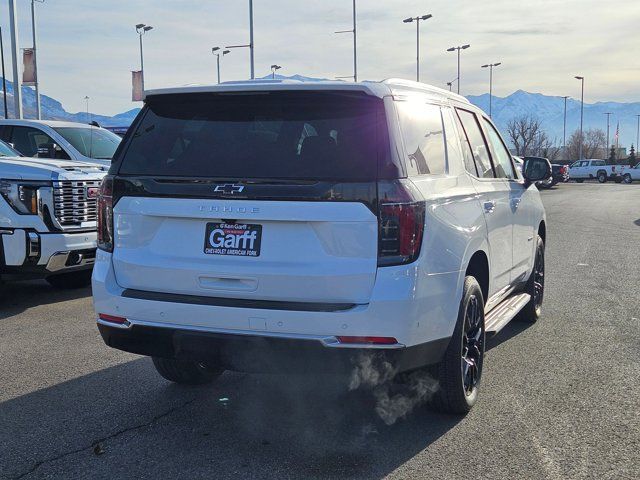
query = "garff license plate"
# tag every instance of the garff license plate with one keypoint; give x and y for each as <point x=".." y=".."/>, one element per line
<point x="237" y="239"/>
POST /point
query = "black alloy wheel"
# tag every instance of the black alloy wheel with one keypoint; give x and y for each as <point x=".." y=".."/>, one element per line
<point x="472" y="346"/>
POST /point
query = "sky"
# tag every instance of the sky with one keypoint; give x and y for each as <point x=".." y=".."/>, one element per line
<point x="90" y="47"/>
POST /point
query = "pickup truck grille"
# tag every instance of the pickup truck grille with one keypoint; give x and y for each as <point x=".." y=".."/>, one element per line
<point x="75" y="202"/>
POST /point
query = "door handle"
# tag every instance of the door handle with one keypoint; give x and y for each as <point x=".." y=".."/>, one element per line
<point x="489" y="206"/>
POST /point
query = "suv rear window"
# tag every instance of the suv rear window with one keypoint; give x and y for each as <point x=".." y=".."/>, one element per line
<point x="276" y="135"/>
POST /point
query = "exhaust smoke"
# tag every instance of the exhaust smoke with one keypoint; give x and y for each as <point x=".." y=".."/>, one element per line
<point x="395" y="396"/>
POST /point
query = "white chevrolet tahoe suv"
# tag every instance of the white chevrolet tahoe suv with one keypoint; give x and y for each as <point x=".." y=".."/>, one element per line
<point x="48" y="219"/>
<point x="295" y="227"/>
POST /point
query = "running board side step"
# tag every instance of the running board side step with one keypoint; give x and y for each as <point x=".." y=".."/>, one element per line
<point x="502" y="314"/>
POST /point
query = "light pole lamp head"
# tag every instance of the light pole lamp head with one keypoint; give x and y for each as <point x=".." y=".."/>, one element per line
<point x="275" y="67"/>
<point x="579" y="78"/>
<point x="139" y="27"/>
<point x="485" y="66"/>
<point x="408" y="20"/>
<point x="464" y="47"/>
<point x="426" y="17"/>
<point x="452" y="49"/>
<point x="225" y="52"/>
<point x="215" y="49"/>
<point x="147" y="28"/>
<point x="497" y="64"/>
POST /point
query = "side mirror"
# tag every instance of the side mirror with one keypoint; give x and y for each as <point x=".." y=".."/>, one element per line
<point x="536" y="169"/>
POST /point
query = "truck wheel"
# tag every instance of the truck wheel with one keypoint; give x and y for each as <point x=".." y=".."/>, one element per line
<point x="70" y="280"/>
<point x="627" y="178"/>
<point x="580" y="180"/>
<point x="186" y="372"/>
<point x="535" y="287"/>
<point x="602" y="177"/>
<point x="461" y="368"/>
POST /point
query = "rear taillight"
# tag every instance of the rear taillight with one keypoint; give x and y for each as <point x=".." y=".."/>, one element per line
<point x="367" y="340"/>
<point x="113" y="319"/>
<point x="401" y="216"/>
<point x="105" y="215"/>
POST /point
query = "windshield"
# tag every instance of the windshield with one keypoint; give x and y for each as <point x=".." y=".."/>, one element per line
<point x="7" y="151"/>
<point x="308" y="136"/>
<point x="91" y="142"/>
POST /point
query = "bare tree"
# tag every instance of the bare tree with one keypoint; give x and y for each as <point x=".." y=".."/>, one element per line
<point x="528" y="138"/>
<point x="523" y="132"/>
<point x="593" y="144"/>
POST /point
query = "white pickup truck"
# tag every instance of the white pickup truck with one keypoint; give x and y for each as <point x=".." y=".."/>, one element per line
<point x="594" y="169"/>
<point x="48" y="218"/>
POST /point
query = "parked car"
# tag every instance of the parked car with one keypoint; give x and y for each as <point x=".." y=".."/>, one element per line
<point x="631" y="174"/>
<point x="48" y="215"/>
<point x="594" y="169"/>
<point x="60" y="140"/>
<point x="301" y="227"/>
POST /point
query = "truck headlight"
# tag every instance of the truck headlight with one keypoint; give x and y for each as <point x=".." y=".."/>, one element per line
<point x="22" y="195"/>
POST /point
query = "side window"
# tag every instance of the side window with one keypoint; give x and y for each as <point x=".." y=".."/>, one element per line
<point x="423" y="134"/>
<point x="5" y="133"/>
<point x="467" y="155"/>
<point x="455" y="153"/>
<point x="477" y="143"/>
<point x="502" y="157"/>
<point x="27" y="140"/>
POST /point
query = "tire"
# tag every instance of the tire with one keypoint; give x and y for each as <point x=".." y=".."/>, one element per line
<point x="545" y="184"/>
<point x="460" y="370"/>
<point x="580" y="180"/>
<point x="602" y="177"/>
<point x="535" y="287"/>
<point x="71" y="280"/>
<point x="627" y="178"/>
<point x="186" y="372"/>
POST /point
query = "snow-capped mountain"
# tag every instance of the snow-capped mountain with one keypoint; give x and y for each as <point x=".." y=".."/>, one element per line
<point x="52" y="109"/>
<point x="550" y="110"/>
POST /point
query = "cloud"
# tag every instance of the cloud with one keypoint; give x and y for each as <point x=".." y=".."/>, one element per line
<point x="89" y="48"/>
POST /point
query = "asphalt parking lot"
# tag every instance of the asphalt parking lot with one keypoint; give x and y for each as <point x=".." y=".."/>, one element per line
<point x="559" y="398"/>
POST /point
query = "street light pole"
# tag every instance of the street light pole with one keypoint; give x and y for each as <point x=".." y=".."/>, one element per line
<point x="608" y="114"/>
<point x="274" y="69"/>
<point x="250" y="45"/>
<point x="355" y="44"/>
<point x="490" y="66"/>
<point x="4" y="81"/>
<point x="577" y="77"/>
<point x="214" y="50"/>
<point x="417" y="20"/>
<point x="637" y="132"/>
<point x="453" y="49"/>
<point x="564" y="124"/>
<point x="35" y="56"/>
<point x="17" y="89"/>
<point x="141" y="29"/>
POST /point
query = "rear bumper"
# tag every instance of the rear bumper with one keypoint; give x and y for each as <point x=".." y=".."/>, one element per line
<point x="260" y="353"/>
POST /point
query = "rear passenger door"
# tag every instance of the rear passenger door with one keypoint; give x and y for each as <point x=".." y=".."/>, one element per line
<point x="494" y="199"/>
<point x="520" y="203"/>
